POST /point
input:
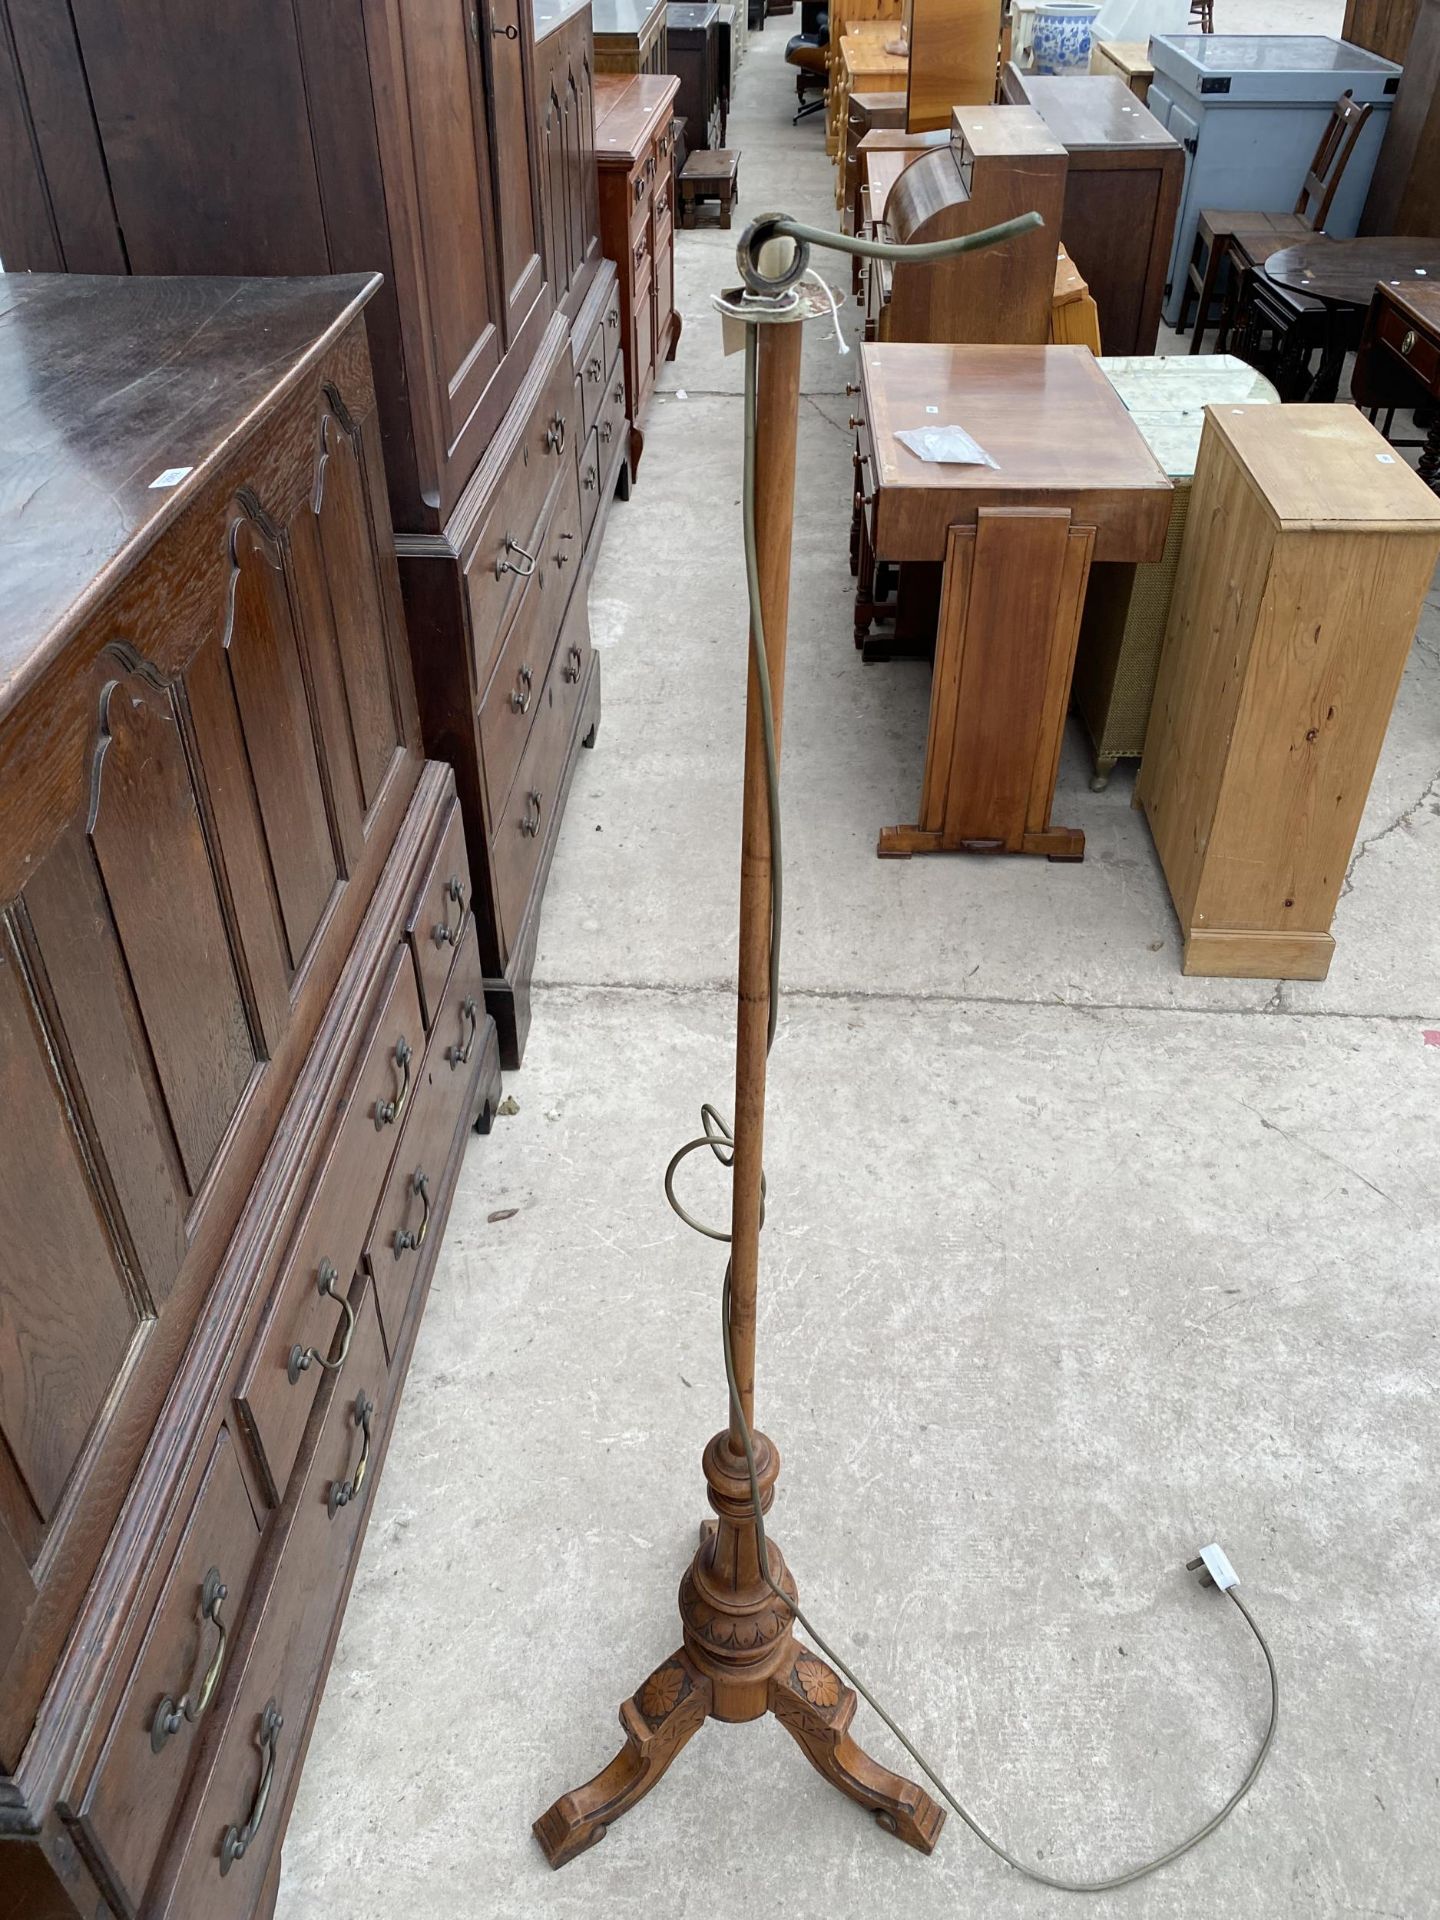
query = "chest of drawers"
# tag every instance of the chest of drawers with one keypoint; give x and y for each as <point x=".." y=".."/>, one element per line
<point x="634" y="147"/>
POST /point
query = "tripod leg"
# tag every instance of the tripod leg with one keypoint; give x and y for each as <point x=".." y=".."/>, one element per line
<point x="658" y="1720"/>
<point x="808" y="1700"/>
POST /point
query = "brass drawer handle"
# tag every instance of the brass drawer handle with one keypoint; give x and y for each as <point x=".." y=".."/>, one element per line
<point x="573" y="663"/>
<point x="443" y="934"/>
<point x="639" y="186"/>
<point x="595" y="368"/>
<point x="530" y="823"/>
<point x="300" y="1357"/>
<point x="387" y="1112"/>
<point x="520" y="692"/>
<point x="590" y="480"/>
<point x="236" y="1843"/>
<point x="662" y="203"/>
<point x="460" y="1056"/>
<point x="555" y="435"/>
<point x="405" y="1241"/>
<point x="171" y="1715"/>
<point x="612" y="318"/>
<point x="504" y="564"/>
<point x="342" y="1492"/>
<point x="856" y="420"/>
<point x="561" y="558"/>
<point x="618" y="396"/>
<point x="607" y="431"/>
<point x="1407" y="345"/>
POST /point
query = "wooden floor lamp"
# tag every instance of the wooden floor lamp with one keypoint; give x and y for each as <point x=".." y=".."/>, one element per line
<point x="739" y="1659"/>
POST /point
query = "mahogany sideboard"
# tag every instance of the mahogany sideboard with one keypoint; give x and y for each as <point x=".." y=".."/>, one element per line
<point x="242" y="1037"/>
<point x="1122" y="194"/>
<point x="635" y="149"/>
<point x="448" y="145"/>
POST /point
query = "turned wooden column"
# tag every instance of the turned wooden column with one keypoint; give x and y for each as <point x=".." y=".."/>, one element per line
<point x="777" y="407"/>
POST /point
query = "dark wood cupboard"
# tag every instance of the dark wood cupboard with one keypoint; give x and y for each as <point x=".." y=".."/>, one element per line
<point x="242" y="1024"/>
<point x="693" y="56"/>
<point x="449" y="146"/>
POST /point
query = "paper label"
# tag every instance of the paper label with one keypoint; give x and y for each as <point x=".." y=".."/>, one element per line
<point x="171" y="477"/>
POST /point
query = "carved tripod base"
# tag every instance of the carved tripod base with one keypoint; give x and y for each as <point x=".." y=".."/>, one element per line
<point x="740" y="1660"/>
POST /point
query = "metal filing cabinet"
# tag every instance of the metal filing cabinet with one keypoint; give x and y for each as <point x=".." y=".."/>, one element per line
<point x="1249" y="110"/>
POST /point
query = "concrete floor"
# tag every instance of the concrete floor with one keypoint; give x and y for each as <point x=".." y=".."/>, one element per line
<point x="1072" y="1266"/>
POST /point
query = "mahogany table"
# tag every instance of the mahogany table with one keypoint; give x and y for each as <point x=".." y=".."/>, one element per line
<point x="1342" y="275"/>
<point x="1398" y="361"/>
<point x="1075" y="482"/>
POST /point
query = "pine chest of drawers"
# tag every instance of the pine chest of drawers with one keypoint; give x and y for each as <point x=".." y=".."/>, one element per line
<point x="242" y="1032"/>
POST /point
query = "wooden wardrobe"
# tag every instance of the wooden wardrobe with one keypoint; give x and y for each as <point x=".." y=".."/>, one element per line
<point x="449" y="146"/>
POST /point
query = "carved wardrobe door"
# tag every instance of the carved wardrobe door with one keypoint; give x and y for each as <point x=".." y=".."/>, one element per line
<point x="517" y="213"/>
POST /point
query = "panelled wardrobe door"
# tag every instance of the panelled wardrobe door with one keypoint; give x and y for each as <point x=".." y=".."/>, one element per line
<point x="517" y="208"/>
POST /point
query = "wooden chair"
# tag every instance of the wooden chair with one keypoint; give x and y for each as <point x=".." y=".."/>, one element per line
<point x="1203" y="11"/>
<point x="1237" y="239"/>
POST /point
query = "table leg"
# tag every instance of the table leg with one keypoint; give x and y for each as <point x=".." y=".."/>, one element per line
<point x="1326" y="384"/>
<point x="1010" y="611"/>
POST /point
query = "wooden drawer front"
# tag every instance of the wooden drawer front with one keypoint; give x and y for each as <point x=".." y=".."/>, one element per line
<point x="232" y="1826"/>
<point x="610" y="428"/>
<point x="500" y="562"/>
<point x="440" y="914"/>
<point x="508" y="710"/>
<point x="662" y="211"/>
<point x="638" y="188"/>
<point x="612" y="332"/>
<point x="592" y="470"/>
<point x="641" y="263"/>
<point x="664" y="291"/>
<point x="593" y="365"/>
<point x="416" y="1188"/>
<point x="302" y="1334"/>
<point x="521" y="829"/>
<point x="642" y="332"/>
<point x="1413" y="347"/>
<point x="129" y="1801"/>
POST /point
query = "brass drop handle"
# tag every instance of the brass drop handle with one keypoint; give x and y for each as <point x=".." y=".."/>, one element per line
<point x="301" y="1357"/>
<point x="555" y="435"/>
<point x="236" y="1843"/>
<point x="342" y="1492"/>
<point x="472" y="13"/>
<point x="505" y="33"/>
<point x="612" y="318"/>
<point x="1407" y="345"/>
<point x="851" y="389"/>
<point x="469" y="1012"/>
<point x="856" y="420"/>
<point x="530" y="823"/>
<point x="504" y="564"/>
<point x="405" y="1241"/>
<point x="590" y="480"/>
<point x="607" y="431"/>
<point x="443" y="934"/>
<point x="573" y="663"/>
<point x="387" y="1112"/>
<point x="520" y="692"/>
<point x="171" y="1715"/>
<point x="619" y="393"/>
<point x="595" y="368"/>
<point x="640" y="186"/>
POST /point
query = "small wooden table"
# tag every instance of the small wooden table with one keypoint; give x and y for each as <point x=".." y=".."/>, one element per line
<point x="1342" y="275"/>
<point x="1127" y="60"/>
<point x="1398" y="362"/>
<point x="1075" y="483"/>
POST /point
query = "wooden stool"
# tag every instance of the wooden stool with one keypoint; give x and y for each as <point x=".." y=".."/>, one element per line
<point x="709" y="176"/>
